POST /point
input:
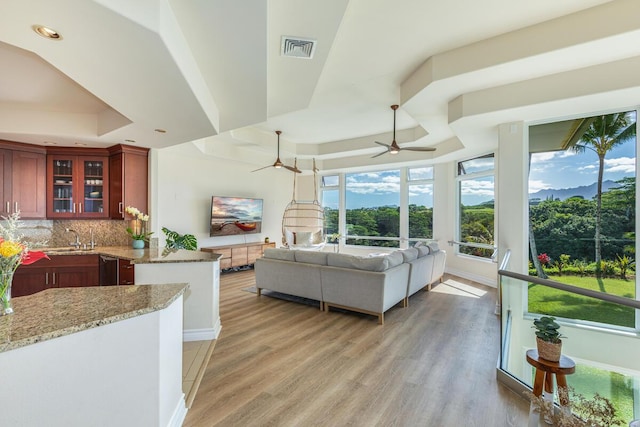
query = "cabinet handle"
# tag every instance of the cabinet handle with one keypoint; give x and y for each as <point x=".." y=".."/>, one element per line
<point x="46" y="278"/>
<point x="15" y="205"/>
<point x="80" y="207"/>
<point x="74" y="208"/>
<point x="120" y="209"/>
<point x="128" y="267"/>
<point x="8" y="207"/>
<point x="54" y="278"/>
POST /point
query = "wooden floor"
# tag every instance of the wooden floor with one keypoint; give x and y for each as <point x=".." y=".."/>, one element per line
<point x="280" y="363"/>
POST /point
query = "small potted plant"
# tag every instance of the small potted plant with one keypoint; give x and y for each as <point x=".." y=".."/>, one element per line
<point x="548" y="338"/>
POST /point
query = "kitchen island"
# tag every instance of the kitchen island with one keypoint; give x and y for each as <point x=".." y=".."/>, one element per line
<point x="160" y="265"/>
<point x="98" y="356"/>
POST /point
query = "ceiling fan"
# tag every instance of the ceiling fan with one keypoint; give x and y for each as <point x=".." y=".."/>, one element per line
<point x="278" y="163"/>
<point x="394" y="148"/>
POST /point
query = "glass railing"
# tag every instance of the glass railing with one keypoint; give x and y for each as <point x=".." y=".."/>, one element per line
<point x="601" y="334"/>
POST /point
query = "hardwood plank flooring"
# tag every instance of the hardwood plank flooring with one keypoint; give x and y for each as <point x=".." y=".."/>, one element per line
<point x="280" y="363"/>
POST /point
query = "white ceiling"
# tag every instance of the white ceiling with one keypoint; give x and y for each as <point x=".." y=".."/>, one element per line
<point x="210" y="71"/>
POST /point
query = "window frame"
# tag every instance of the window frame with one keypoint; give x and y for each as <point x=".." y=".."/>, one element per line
<point x="459" y="178"/>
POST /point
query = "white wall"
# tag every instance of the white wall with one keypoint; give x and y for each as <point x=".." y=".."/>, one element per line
<point x="183" y="179"/>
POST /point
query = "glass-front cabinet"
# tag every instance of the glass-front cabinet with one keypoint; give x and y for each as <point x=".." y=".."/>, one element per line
<point x="78" y="186"/>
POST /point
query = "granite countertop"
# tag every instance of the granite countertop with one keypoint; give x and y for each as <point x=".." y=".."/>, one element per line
<point x="57" y="312"/>
<point x="139" y="256"/>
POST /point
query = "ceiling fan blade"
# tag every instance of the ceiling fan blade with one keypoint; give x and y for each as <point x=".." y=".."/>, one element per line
<point x="270" y="166"/>
<point x="382" y="143"/>
<point x="292" y="169"/>
<point x="419" y="148"/>
<point x="380" y="154"/>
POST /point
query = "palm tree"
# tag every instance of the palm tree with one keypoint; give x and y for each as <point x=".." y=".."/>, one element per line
<point x="602" y="135"/>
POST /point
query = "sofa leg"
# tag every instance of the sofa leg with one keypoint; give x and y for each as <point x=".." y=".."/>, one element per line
<point x="405" y="302"/>
<point x="258" y="291"/>
<point x="381" y="319"/>
<point x="428" y="287"/>
<point x="321" y="306"/>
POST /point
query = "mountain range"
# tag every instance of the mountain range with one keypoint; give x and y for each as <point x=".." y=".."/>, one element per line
<point x="586" y="191"/>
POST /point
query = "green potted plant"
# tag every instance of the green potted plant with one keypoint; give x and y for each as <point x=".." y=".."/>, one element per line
<point x="548" y="338"/>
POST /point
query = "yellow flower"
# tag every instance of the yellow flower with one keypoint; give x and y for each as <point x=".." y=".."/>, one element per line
<point x="9" y="249"/>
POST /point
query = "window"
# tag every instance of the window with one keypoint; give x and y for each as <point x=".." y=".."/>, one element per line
<point x="373" y="208"/>
<point x="475" y="214"/>
<point x="381" y="208"/>
<point x="579" y="235"/>
<point x="420" y="185"/>
<point x="330" y="201"/>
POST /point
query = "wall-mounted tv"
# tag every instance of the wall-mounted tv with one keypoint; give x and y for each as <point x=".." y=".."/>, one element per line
<point x="232" y="216"/>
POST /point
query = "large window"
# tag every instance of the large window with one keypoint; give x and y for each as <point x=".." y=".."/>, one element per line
<point x="380" y="208"/>
<point x="475" y="214"/>
<point x="582" y="200"/>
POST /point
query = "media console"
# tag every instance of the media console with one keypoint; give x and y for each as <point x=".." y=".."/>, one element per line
<point x="240" y="254"/>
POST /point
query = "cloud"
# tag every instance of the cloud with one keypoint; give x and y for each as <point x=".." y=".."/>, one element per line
<point x="477" y="188"/>
<point x="621" y="164"/>
<point x="373" y="187"/>
<point x="418" y="190"/>
<point x="536" y="185"/>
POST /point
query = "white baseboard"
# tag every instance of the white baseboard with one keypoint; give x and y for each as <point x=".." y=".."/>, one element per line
<point x="470" y="276"/>
<point x="179" y="414"/>
<point x="202" y="334"/>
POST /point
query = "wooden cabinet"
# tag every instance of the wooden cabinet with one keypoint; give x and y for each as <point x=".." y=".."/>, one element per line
<point x="77" y="186"/>
<point x="126" y="272"/>
<point x="128" y="180"/>
<point x="239" y="255"/>
<point x="23" y="185"/>
<point x="60" y="271"/>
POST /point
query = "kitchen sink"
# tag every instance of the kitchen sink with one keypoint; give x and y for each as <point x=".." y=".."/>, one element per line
<point x="58" y="250"/>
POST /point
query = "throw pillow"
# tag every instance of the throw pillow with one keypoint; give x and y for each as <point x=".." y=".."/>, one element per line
<point x="395" y="258"/>
<point x="409" y="254"/>
<point x="434" y="246"/>
<point x="302" y="238"/>
<point x="423" y="251"/>
<point x="289" y="237"/>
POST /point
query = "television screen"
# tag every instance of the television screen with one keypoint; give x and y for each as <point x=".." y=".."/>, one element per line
<point x="235" y="216"/>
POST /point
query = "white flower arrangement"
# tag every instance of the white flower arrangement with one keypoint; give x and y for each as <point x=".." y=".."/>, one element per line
<point x="138" y="232"/>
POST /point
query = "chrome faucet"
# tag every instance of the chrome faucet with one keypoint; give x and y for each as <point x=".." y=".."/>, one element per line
<point x="92" y="242"/>
<point x="77" y="243"/>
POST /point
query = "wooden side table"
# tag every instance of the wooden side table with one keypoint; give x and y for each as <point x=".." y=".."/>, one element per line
<point x="545" y="370"/>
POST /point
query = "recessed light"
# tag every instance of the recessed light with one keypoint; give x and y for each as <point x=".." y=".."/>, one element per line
<point x="46" y="32"/>
<point x="82" y="144"/>
<point x="50" y="143"/>
<point x="160" y="130"/>
<point x="130" y="141"/>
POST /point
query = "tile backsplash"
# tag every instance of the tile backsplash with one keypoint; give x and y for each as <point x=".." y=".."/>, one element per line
<point x="52" y="232"/>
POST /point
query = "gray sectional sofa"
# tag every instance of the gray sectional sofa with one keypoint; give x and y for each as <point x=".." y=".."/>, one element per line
<point x="370" y="285"/>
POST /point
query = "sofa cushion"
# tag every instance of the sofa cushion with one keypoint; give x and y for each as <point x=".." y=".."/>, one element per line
<point x="358" y="263"/>
<point x="395" y="258"/>
<point x="281" y="254"/>
<point x="310" y="257"/>
<point x="423" y="251"/>
<point x="409" y="254"/>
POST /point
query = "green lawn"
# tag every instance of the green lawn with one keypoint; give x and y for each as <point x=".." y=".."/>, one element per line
<point x="553" y="302"/>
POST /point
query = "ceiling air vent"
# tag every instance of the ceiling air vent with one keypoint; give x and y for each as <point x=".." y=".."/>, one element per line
<point x="297" y="47"/>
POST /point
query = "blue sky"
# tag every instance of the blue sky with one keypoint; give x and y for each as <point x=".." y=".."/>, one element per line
<point x="382" y="188"/>
<point x="564" y="169"/>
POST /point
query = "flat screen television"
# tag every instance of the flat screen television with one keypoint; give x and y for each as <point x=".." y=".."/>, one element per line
<point x="232" y="216"/>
